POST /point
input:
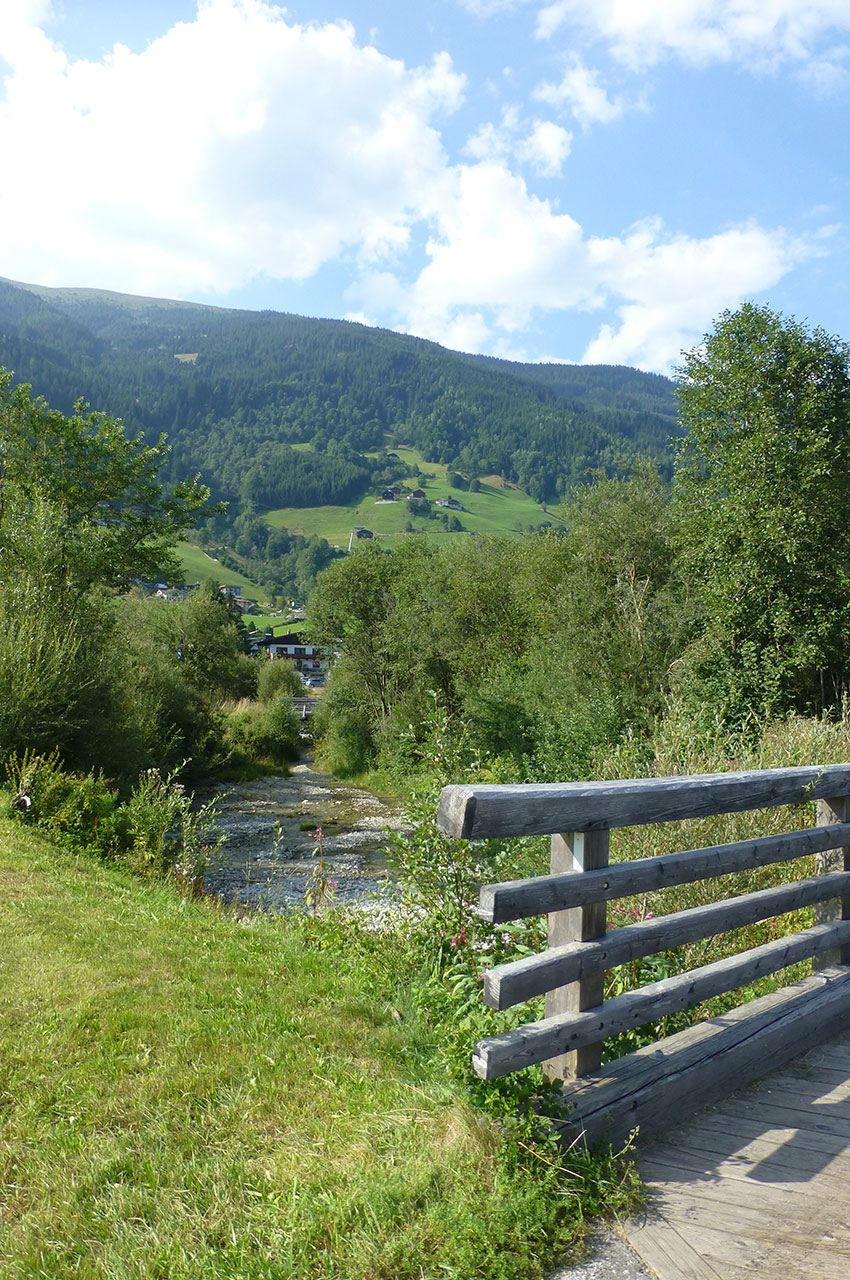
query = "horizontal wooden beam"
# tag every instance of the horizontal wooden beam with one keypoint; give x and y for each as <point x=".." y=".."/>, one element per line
<point x="510" y="984"/>
<point x="515" y="899"/>
<point x="659" y="1085"/>
<point x="481" y="812"/>
<point x="537" y="1041"/>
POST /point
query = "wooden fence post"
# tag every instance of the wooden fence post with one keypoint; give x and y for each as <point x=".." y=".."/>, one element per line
<point x="829" y="812"/>
<point x="574" y="852"/>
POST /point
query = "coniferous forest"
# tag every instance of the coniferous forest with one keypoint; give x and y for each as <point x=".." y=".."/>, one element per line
<point x="232" y="389"/>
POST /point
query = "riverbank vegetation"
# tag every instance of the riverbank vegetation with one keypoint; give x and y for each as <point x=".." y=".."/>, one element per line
<point x="189" y="1090"/>
<point x="721" y="600"/>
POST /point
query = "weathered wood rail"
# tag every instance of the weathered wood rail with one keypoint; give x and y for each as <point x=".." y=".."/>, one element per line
<point x="657" y="1085"/>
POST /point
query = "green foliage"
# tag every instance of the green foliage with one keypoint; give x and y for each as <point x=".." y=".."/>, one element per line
<point x="535" y="652"/>
<point x="110" y="517"/>
<point x="156" y="831"/>
<point x="278" y="677"/>
<point x="762" y="478"/>
<point x="59" y="685"/>
<point x="266" y="731"/>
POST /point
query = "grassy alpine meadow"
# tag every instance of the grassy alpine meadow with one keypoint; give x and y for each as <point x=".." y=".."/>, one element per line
<point x="185" y="1093"/>
<point x="198" y="566"/>
<point x="498" y="507"/>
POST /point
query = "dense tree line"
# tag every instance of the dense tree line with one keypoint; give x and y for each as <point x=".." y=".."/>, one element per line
<point x="91" y="671"/>
<point x="286" y="564"/>
<point x="722" y="597"/>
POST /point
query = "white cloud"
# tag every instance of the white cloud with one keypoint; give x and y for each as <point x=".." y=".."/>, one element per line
<point x="763" y="34"/>
<point x="489" y="8"/>
<point x="234" y="144"/>
<point x="673" y="286"/>
<point x="544" y="149"/>
<point x="502" y="259"/>
<point x="582" y="94"/>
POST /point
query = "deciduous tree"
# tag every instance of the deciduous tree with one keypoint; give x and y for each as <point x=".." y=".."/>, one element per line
<point x="763" y="479"/>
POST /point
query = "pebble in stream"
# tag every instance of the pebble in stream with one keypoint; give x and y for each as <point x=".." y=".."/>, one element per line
<point x="268" y="856"/>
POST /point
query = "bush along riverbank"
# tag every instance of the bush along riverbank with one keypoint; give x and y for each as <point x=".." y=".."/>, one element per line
<point x="190" y="1090"/>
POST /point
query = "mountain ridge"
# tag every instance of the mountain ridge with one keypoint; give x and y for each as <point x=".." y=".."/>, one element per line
<point x="249" y="384"/>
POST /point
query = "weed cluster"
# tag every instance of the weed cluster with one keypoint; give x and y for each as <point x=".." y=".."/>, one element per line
<point x="157" y="830"/>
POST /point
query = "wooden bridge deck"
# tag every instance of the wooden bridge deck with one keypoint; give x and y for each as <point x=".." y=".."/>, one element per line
<point x="757" y="1186"/>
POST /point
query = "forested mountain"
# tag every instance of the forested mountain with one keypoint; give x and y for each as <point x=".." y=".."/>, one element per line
<point x="234" y="390"/>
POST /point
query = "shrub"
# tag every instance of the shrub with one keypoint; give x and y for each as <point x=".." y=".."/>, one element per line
<point x="278" y="677"/>
<point x="156" y="831"/>
<point x="269" y="731"/>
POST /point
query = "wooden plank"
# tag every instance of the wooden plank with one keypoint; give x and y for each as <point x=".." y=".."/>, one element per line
<point x="538" y="1041"/>
<point x="538" y="895"/>
<point x="715" y="1036"/>
<point x="653" y="1091"/>
<point x="677" y="1254"/>
<point x="481" y="812"/>
<point x="795" y="1162"/>
<point x="509" y="984"/>
<point x="577" y="854"/>
<point x="829" y="811"/>
<point x="756" y="1137"/>
<point x="674" y="1166"/>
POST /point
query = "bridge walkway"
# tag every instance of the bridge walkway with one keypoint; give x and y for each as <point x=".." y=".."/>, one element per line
<point x="756" y="1187"/>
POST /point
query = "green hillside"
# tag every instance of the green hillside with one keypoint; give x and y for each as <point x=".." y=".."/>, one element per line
<point x="198" y="566"/>
<point x="497" y="508"/>
<point x="236" y="390"/>
<point x="300" y="425"/>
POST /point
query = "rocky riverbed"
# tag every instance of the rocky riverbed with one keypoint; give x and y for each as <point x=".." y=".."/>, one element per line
<point x="269" y="855"/>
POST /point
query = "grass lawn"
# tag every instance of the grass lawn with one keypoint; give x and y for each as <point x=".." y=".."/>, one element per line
<point x="185" y="1094"/>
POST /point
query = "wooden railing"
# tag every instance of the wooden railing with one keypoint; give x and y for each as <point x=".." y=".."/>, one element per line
<point x="574" y="896"/>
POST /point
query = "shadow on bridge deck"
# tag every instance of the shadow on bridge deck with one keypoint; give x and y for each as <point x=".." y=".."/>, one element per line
<point x="757" y="1186"/>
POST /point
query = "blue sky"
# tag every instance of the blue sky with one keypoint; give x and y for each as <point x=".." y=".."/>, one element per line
<point x="536" y="179"/>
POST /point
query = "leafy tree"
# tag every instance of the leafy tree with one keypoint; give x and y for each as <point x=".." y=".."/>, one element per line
<point x="112" y="519"/>
<point x="82" y="510"/>
<point x="763" y="479"/>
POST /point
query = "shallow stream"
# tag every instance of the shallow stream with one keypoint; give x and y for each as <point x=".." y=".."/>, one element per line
<point x="269" y="855"/>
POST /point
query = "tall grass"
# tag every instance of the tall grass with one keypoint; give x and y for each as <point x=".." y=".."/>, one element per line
<point x="678" y="747"/>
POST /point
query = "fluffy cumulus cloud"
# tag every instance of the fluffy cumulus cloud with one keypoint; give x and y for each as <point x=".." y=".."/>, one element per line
<point x="543" y="147"/>
<point x="242" y="144"/>
<point x="668" y="283"/>
<point x="765" y="34"/>
<point x="502" y="257"/>
<point x="234" y="144"/>
<point x="580" y="92"/>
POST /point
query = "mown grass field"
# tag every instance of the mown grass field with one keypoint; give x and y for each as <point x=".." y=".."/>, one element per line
<point x="497" y="508"/>
<point x="198" y="566"/>
<point x="185" y="1093"/>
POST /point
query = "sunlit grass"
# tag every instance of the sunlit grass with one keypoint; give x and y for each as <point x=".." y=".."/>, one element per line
<point x="198" y="567"/>
<point x="497" y="508"/>
<point x="187" y="1093"/>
